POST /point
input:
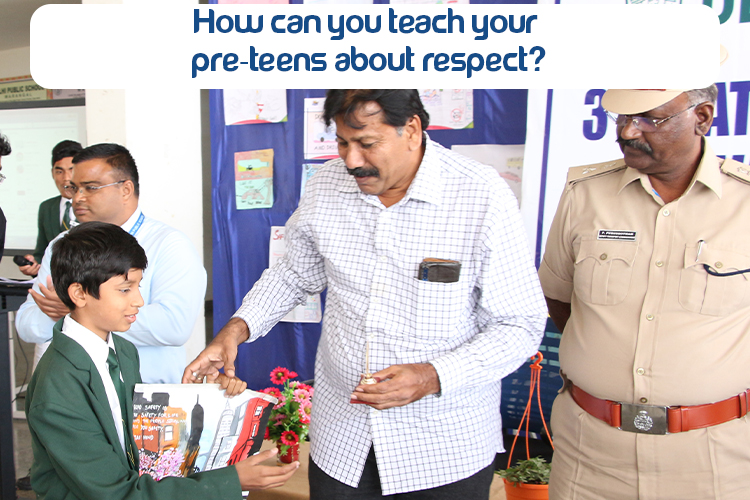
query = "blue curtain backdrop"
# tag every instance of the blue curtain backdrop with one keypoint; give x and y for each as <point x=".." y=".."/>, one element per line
<point x="240" y="237"/>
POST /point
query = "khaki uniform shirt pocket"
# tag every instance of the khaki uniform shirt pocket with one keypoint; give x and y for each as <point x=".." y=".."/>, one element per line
<point x="703" y="293"/>
<point x="603" y="270"/>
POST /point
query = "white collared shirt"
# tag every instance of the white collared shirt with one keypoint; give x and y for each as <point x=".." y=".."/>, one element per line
<point x="98" y="351"/>
<point x="71" y="214"/>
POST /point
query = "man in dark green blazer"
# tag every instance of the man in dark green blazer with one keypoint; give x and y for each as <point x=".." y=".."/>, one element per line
<point x="52" y="218"/>
<point x="80" y="398"/>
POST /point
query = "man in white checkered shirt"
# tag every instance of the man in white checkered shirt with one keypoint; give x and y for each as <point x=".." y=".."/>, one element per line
<point x="439" y="342"/>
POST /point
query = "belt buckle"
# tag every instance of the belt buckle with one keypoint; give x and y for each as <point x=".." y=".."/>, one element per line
<point x="643" y="419"/>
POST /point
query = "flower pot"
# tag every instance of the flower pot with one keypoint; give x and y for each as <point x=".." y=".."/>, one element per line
<point x="521" y="491"/>
<point x="292" y="453"/>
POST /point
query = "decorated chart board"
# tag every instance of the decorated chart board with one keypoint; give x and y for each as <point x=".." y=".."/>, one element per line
<point x="181" y="429"/>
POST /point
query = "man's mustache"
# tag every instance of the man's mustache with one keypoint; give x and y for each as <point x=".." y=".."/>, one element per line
<point x="363" y="172"/>
<point x="640" y="146"/>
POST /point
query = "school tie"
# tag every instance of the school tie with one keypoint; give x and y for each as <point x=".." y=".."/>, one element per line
<point x="114" y="373"/>
<point x="66" y="218"/>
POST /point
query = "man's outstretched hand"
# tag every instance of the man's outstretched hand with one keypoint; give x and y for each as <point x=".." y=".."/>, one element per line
<point x="220" y="353"/>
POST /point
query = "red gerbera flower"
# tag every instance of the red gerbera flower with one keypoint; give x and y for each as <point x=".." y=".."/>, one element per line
<point x="272" y="391"/>
<point x="268" y="434"/>
<point x="289" y="438"/>
<point x="279" y="375"/>
<point x="293" y="374"/>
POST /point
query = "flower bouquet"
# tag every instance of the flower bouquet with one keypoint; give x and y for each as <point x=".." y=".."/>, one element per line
<point x="290" y="418"/>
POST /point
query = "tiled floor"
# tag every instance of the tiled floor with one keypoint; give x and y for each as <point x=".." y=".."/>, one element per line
<point x="22" y="453"/>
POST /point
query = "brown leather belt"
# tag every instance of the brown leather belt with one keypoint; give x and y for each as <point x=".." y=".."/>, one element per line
<point x="652" y="419"/>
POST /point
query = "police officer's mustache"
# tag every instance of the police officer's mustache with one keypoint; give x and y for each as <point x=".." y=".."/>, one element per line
<point x="640" y="146"/>
<point x="363" y="172"/>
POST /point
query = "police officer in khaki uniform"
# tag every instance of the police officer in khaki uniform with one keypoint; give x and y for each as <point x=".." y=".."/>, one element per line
<point x="647" y="272"/>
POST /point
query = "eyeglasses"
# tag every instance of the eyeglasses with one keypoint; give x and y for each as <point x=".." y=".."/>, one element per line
<point x="643" y="123"/>
<point x="72" y="190"/>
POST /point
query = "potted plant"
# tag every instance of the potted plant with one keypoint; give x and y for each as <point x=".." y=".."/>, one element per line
<point x="527" y="480"/>
<point x="289" y="422"/>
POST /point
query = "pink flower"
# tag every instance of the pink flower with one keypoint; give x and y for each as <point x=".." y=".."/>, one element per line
<point x="289" y="438"/>
<point x="301" y="395"/>
<point x="281" y="403"/>
<point x="279" y="419"/>
<point x="304" y="414"/>
<point x="279" y="375"/>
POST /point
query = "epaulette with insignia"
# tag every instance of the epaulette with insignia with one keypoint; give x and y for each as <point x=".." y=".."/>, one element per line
<point x="735" y="169"/>
<point x="578" y="174"/>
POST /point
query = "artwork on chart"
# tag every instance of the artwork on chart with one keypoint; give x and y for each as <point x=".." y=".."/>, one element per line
<point x="320" y="141"/>
<point x="181" y="429"/>
<point x="248" y="106"/>
<point x="308" y="170"/>
<point x="253" y="179"/>
<point x="507" y="159"/>
<point x="449" y="108"/>
<point x="310" y="311"/>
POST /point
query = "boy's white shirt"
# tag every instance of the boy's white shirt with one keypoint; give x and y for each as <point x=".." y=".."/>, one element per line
<point x="98" y="351"/>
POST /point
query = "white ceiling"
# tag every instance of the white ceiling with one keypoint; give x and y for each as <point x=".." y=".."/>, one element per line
<point x="14" y="21"/>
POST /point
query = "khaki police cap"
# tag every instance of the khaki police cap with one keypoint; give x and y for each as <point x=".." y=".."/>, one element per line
<point x="634" y="101"/>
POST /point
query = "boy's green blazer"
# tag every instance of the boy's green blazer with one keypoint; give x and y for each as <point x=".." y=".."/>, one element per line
<point x="48" y="225"/>
<point x="77" y="454"/>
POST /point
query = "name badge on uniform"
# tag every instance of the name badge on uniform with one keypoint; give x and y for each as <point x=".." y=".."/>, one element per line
<point x="616" y="235"/>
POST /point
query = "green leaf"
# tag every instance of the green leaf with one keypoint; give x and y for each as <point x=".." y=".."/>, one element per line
<point x="533" y="471"/>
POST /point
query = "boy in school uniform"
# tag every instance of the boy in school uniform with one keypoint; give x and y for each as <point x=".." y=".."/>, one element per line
<point x="79" y="400"/>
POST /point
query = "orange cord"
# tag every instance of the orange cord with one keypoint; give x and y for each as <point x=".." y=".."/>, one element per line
<point x="536" y="371"/>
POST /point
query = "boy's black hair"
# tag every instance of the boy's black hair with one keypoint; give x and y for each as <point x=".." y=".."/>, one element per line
<point x="65" y="149"/>
<point x="90" y="254"/>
